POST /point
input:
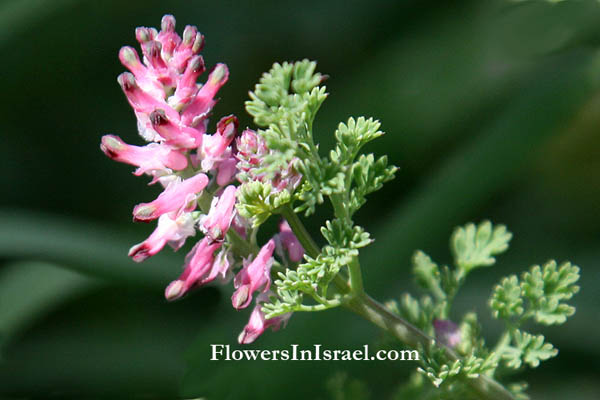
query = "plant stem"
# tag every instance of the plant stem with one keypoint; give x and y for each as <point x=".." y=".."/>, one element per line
<point x="310" y="246"/>
<point x="373" y="311"/>
<point x="356" y="281"/>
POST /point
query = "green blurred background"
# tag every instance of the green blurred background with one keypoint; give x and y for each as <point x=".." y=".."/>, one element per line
<point x="491" y="108"/>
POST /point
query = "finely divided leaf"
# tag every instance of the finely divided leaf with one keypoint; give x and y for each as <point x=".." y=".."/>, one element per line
<point x="506" y="301"/>
<point x="474" y="246"/>
<point x="547" y="289"/>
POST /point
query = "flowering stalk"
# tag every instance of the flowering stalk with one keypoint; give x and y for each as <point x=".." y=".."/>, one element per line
<point x="225" y="185"/>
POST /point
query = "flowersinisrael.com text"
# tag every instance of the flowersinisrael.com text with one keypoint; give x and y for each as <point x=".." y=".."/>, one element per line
<point x="314" y="353"/>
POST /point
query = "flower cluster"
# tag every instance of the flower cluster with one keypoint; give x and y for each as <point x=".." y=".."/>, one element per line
<point x="252" y="150"/>
<point x="193" y="166"/>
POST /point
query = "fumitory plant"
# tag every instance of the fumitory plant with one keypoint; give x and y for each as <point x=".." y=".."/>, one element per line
<point x="223" y="183"/>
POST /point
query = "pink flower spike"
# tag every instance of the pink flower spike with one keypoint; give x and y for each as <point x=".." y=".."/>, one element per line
<point x="179" y="196"/>
<point x="148" y="158"/>
<point x="198" y="269"/>
<point x="171" y="231"/>
<point x="290" y="242"/>
<point x="216" y="224"/>
<point x="253" y="276"/>
<point x="258" y="323"/>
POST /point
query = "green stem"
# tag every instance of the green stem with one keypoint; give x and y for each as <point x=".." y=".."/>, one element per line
<point x="310" y="246"/>
<point x="356" y="281"/>
<point x="339" y="208"/>
<point x="373" y="311"/>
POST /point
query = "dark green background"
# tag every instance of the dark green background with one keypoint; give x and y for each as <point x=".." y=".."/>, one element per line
<point x="491" y="108"/>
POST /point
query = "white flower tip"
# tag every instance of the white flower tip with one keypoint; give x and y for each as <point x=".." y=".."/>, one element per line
<point x="174" y="290"/>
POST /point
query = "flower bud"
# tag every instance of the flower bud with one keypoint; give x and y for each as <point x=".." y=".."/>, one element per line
<point x="290" y="242"/>
<point x="173" y="134"/>
<point x="216" y="224"/>
<point x="253" y="276"/>
<point x="144" y="35"/>
<point x="200" y="268"/>
<point x="167" y="23"/>
<point x="258" y="323"/>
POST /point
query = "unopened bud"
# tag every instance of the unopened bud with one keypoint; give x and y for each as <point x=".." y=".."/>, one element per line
<point x="127" y="81"/>
<point x="129" y="57"/>
<point x="227" y="127"/>
<point x="144" y="212"/>
<point x="167" y="24"/>
<point x="198" y="43"/>
<point x="189" y="35"/>
<point x="219" y="74"/>
<point x="143" y="34"/>
<point x="152" y="51"/>
<point x="240" y="297"/>
<point x="174" y="290"/>
<point x="196" y="65"/>
<point x="111" y="145"/>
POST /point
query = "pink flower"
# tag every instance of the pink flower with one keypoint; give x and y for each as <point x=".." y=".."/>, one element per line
<point x="203" y="102"/>
<point x="161" y="87"/>
<point x="217" y="222"/>
<point x="173" y="133"/>
<point x="179" y="196"/>
<point x="253" y="276"/>
<point x="214" y="147"/>
<point x="226" y="131"/>
<point x="186" y="87"/>
<point x="192" y="43"/>
<point x="200" y="268"/>
<point x="169" y="230"/>
<point x="222" y="266"/>
<point x="446" y="332"/>
<point x="240" y="225"/>
<point x="226" y="171"/>
<point x="258" y="324"/>
<point x="290" y="242"/>
<point x="148" y="158"/>
<point x="139" y="99"/>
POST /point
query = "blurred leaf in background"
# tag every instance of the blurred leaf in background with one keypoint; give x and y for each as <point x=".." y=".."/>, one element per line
<point x="492" y="111"/>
